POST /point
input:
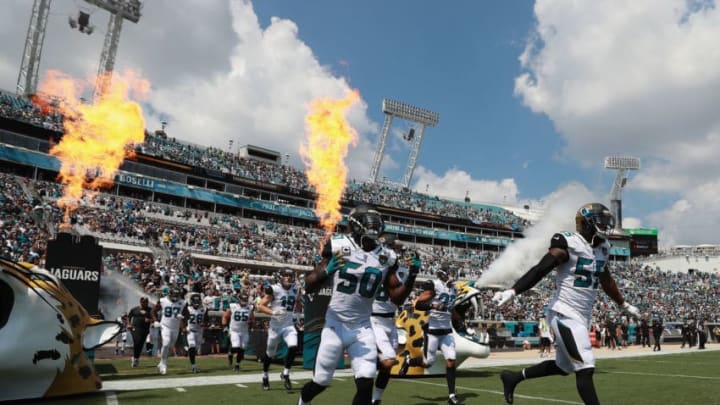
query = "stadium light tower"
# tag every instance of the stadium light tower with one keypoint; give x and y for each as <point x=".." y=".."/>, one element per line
<point x="119" y="11"/>
<point x="621" y="164"/>
<point x="417" y="115"/>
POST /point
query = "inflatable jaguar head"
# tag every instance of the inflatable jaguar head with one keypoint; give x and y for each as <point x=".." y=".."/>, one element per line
<point x="43" y="333"/>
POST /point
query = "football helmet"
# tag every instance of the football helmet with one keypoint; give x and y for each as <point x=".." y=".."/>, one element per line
<point x="365" y="223"/>
<point x="195" y="300"/>
<point x="594" y="219"/>
<point x="175" y="294"/>
<point x="286" y="278"/>
<point x="243" y="299"/>
<point x="443" y="273"/>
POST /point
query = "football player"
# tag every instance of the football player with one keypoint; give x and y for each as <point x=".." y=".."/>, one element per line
<point x="238" y="319"/>
<point x="280" y="301"/>
<point x="357" y="266"/>
<point x="172" y="311"/>
<point x="437" y="296"/>
<point x="581" y="260"/>
<point x="196" y="321"/>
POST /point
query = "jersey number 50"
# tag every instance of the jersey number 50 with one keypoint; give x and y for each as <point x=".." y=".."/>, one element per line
<point x="366" y="284"/>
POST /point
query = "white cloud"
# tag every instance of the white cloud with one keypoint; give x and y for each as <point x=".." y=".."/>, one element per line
<point x="639" y="78"/>
<point x="455" y="183"/>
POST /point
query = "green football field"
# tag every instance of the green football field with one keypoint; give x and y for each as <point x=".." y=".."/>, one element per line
<point x="691" y="377"/>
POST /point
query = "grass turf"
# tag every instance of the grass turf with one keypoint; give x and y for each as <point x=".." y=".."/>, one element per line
<point x="687" y="378"/>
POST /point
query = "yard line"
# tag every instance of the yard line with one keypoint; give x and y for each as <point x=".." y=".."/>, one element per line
<point x="561" y="401"/>
<point x="338" y="379"/>
<point x="699" y="377"/>
<point x="241" y="386"/>
<point x="180" y="389"/>
<point x="111" y="398"/>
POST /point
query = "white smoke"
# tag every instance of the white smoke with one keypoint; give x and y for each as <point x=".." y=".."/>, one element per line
<point x="521" y="255"/>
<point x="118" y="294"/>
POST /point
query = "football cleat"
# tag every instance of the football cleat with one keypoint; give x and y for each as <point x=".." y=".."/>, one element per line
<point x="405" y="365"/>
<point x="194" y="369"/>
<point x="266" y="384"/>
<point x="162" y="369"/>
<point x="454" y="400"/>
<point x="135" y="363"/>
<point x="236" y="368"/>
<point x="509" y="380"/>
<point x="286" y="381"/>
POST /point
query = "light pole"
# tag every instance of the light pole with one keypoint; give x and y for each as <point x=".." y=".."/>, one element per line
<point x="621" y="164"/>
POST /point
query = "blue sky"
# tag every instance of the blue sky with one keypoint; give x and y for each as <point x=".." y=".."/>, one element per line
<point x="531" y="94"/>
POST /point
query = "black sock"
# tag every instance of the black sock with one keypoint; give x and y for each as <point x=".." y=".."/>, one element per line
<point x="546" y="368"/>
<point x="363" y="391"/>
<point x="382" y="379"/>
<point x="290" y="357"/>
<point x="240" y="355"/>
<point x="191" y="353"/>
<point x="586" y="387"/>
<point x="450" y="377"/>
<point x="266" y="362"/>
<point x="310" y="391"/>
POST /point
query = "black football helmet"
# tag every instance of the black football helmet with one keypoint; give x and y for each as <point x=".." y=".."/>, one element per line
<point x="365" y="224"/>
<point x="175" y="294"/>
<point x="594" y="219"/>
<point x="443" y="273"/>
<point x="195" y="301"/>
<point x="243" y="299"/>
<point x="286" y="278"/>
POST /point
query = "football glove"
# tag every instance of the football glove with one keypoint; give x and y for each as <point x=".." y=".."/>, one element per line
<point x="631" y="309"/>
<point x="412" y="260"/>
<point x="335" y="263"/>
<point x="503" y="297"/>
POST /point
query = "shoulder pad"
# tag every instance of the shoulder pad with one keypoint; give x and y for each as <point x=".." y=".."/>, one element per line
<point x="559" y="240"/>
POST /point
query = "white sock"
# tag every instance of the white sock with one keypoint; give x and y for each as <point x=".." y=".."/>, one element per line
<point x="377" y="395"/>
<point x="265" y="374"/>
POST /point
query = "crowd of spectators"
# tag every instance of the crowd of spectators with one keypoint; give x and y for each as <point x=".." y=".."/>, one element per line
<point x="28" y="215"/>
<point x="158" y="144"/>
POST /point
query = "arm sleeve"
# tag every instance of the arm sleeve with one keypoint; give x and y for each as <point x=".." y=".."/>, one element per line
<point x="327" y="249"/>
<point x="543" y="268"/>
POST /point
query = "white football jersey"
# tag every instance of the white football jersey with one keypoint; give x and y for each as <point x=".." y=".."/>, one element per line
<point x="240" y="317"/>
<point x="196" y="318"/>
<point x="171" y="313"/>
<point x="284" y="299"/>
<point x="578" y="279"/>
<point x="355" y="285"/>
<point x="442" y="319"/>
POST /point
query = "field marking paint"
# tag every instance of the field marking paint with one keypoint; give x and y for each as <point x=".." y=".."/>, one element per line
<point x="338" y="379"/>
<point x="561" y="401"/>
<point x="241" y="386"/>
<point x="111" y="398"/>
<point x="180" y="389"/>
<point x="699" y="377"/>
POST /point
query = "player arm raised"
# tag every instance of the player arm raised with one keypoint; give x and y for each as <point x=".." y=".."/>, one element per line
<point x="397" y="290"/>
<point x="424" y="301"/>
<point x="328" y="265"/>
<point x="264" y="304"/>
<point x="556" y="255"/>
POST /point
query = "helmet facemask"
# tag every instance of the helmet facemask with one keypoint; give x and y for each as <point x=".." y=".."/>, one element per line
<point x="366" y="226"/>
<point x="595" y="219"/>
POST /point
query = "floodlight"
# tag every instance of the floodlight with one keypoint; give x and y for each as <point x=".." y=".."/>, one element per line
<point x="622" y="162"/>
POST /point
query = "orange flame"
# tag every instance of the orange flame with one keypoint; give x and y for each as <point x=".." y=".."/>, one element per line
<point x="329" y="136"/>
<point x="97" y="136"/>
